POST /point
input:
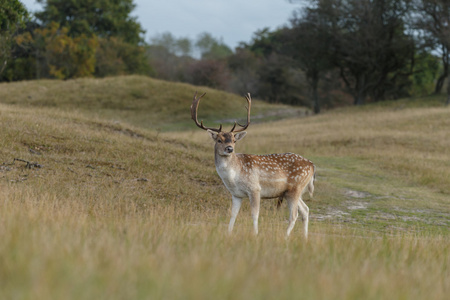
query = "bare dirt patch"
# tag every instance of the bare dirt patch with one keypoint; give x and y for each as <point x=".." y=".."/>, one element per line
<point x="357" y="194"/>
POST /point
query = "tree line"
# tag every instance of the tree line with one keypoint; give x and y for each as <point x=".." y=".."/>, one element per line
<point x="70" y="39"/>
<point x="331" y="53"/>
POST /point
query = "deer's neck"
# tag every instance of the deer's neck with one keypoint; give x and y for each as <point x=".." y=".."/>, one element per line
<point x="227" y="166"/>
<point x="229" y="170"/>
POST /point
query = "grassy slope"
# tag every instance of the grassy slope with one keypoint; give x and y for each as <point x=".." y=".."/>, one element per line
<point x="137" y="100"/>
<point x="118" y="211"/>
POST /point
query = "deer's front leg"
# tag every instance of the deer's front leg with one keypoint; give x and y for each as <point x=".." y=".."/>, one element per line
<point x="235" y="206"/>
<point x="254" y="204"/>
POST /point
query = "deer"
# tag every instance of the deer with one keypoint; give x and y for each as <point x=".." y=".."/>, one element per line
<point x="257" y="177"/>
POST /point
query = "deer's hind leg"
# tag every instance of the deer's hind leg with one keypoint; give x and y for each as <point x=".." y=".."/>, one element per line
<point x="296" y="207"/>
<point x="280" y="201"/>
<point x="292" y="200"/>
<point x="303" y="210"/>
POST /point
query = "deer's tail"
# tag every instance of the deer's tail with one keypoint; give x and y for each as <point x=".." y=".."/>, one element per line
<point x="311" y="183"/>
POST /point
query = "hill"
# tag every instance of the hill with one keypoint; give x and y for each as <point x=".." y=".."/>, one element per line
<point x="94" y="208"/>
<point x="138" y="100"/>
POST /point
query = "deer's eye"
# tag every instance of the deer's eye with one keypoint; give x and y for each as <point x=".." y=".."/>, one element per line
<point x="219" y="141"/>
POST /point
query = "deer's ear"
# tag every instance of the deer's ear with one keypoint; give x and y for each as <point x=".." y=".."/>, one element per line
<point x="240" y="135"/>
<point x="213" y="134"/>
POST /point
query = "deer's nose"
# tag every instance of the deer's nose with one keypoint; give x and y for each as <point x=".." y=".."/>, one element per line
<point x="229" y="149"/>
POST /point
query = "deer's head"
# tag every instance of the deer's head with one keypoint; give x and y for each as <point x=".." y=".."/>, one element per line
<point x="225" y="141"/>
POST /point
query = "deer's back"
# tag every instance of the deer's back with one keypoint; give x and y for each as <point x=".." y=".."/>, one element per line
<point x="276" y="173"/>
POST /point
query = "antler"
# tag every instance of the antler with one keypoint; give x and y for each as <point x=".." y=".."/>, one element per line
<point x="194" y="107"/>
<point x="249" y="101"/>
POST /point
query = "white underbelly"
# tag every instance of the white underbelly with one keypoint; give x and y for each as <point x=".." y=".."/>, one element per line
<point x="273" y="188"/>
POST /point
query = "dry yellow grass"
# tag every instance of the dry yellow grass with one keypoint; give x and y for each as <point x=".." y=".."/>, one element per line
<point x="55" y="250"/>
<point x="122" y="212"/>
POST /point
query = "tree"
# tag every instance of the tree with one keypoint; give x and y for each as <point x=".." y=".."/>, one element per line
<point x="172" y="59"/>
<point x="212" y="48"/>
<point x="116" y="57"/>
<point x="12" y="16"/>
<point x="57" y="54"/>
<point x="433" y="17"/>
<point x="209" y="72"/>
<point x="119" y="42"/>
<point x="103" y="18"/>
<point x="178" y="47"/>
<point x="309" y="43"/>
<point x="372" y="51"/>
<point x="244" y="66"/>
<point x="278" y="80"/>
<point x="424" y="79"/>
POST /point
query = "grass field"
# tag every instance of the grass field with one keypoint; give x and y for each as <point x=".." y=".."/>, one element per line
<point x="110" y="207"/>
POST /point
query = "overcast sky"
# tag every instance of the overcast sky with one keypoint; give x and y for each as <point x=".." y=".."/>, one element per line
<point x="233" y="20"/>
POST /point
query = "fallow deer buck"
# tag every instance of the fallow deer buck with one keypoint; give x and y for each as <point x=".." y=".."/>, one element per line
<point x="259" y="176"/>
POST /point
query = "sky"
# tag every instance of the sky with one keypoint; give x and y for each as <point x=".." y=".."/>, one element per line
<point x="233" y="21"/>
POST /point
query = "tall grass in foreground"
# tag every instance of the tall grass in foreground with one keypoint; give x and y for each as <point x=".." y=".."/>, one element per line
<point x="59" y="249"/>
